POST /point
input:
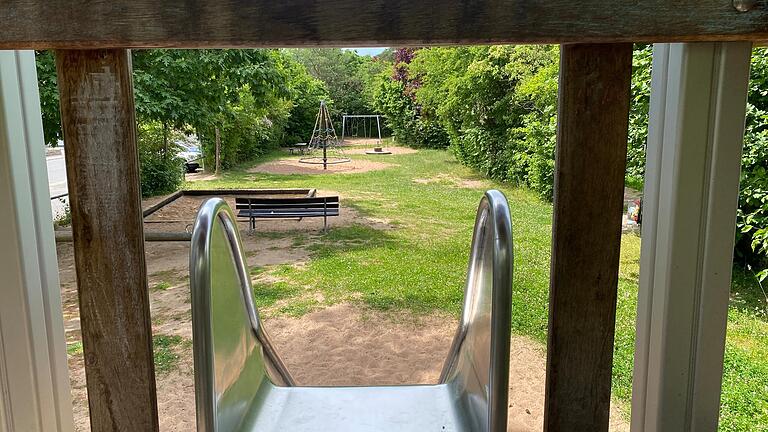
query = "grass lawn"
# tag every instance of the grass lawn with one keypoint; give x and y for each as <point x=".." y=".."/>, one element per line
<point x="420" y="265"/>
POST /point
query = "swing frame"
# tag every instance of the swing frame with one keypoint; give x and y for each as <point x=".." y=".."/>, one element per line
<point x="357" y="116"/>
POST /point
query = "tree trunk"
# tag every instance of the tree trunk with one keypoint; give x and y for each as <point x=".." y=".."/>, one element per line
<point x="165" y="139"/>
<point x="218" y="152"/>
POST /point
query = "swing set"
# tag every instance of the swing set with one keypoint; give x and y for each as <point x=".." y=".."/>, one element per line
<point x="361" y="124"/>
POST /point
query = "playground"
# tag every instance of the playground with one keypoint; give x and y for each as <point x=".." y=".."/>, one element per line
<point x="375" y="300"/>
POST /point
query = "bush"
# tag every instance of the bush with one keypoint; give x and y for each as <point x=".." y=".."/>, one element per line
<point x="161" y="171"/>
<point x="247" y="130"/>
<point x="752" y="216"/>
<point x="497" y="105"/>
<point x="394" y="97"/>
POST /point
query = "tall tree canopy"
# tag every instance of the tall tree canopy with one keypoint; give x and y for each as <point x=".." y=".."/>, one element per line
<point x="346" y="75"/>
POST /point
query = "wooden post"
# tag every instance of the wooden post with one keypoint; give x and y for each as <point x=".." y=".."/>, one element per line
<point x="98" y="121"/>
<point x="593" y="118"/>
<point x="218" y="152"/>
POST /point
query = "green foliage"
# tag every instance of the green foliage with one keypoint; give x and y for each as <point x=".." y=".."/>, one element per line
<point x="306" y="94"/>
<point x="243" y="93"/>
<point x="497" y="105"/>
<point x="194" y="87"/>
<point x="248" y="129"/>
<point x="75" y="348"/>
<point x="49" y="96"/>
<point x="404" y="117"/>
<point x="638" y="114"/>
<point x="161" y="286"/>
<point x="161" y="171"/>
<point x="257" y="99"/>
<point x="752" y="217"/>
<point x="345" y="74"/>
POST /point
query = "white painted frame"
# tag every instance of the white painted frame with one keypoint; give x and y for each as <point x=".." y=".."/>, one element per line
<point x="696" y="130"/>
<point x="34" y="384"/>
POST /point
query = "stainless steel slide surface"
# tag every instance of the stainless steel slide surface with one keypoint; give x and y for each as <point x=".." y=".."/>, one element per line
<point x="242" y="385"/>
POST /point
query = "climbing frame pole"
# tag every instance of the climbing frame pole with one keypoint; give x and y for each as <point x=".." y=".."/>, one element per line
<point x="98" y="120"/>
<point x="590" y="162"/>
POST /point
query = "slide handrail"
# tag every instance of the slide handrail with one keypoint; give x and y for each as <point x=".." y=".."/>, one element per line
<point x="487" y="306"/>
<point x="213" y="212"/>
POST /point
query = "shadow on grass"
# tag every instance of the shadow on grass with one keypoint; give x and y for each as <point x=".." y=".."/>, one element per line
<point x="747" y="294"/>
<point x="382" y="270"/>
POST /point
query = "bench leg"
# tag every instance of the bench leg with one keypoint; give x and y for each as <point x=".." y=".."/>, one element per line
<point x="325" y="223"/>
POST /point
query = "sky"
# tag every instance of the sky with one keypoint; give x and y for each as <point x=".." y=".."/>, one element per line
<point x="367" y="51"/>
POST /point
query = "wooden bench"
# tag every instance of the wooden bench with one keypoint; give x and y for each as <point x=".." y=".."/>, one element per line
<point x="286" y="208"/>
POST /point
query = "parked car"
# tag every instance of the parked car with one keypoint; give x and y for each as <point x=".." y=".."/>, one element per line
<point x="191" y="154"/>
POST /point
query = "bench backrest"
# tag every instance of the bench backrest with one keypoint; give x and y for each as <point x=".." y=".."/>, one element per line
<point x="319" y="203"/>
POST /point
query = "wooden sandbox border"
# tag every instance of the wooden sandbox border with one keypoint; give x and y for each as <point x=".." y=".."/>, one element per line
<point x="66" y="236"/>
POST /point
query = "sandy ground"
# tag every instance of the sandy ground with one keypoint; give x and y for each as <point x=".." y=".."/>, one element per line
<point x="456" y="181"/>
<point x="340" y="344"/>
<point x="293" y="166"/>
<point x="395" y="150"/>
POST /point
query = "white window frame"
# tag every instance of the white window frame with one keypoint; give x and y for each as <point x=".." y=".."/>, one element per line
<point x="696" y="130"/>
<point x="34" y="383"/>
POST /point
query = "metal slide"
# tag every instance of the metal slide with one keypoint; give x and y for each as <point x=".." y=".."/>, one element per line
<point x="242" y="386"/>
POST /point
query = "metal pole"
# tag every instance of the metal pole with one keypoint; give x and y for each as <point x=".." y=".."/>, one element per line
<point x="325" y="156"/>
<point x="343" y="124"/>
<point x="378" y="126"/>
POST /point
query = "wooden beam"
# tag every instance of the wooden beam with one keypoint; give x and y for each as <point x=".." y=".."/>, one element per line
<point x="43" y="24"/>
<point x="98" y="121"/>
<point x="151" y="236"/>
<point x="593" y="118"/>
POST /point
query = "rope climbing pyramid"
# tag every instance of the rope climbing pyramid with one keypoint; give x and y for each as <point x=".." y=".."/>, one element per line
<point x="324" y="148"/>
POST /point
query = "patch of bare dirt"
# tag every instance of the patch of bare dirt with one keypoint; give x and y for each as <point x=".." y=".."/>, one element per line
<point x="293" y="166"/>
<point x="359" y="142"/>
<point x="453" y="181"/>
<point x="200" y="176"/>
<point x="395" y="150"/>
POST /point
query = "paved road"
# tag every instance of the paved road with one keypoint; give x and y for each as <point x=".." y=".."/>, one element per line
<point x="57" y="183"/>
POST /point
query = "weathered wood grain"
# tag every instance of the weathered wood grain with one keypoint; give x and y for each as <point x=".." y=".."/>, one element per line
<point x="42" y="24"/>
<point x="593" y="117"/>
<point x="97" y="116"/>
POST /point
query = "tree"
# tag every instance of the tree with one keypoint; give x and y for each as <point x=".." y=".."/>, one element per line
<point x="49" y="96"/>
<point x="344" y="74"/>
<point x="246" y="94"/>
<point x="306" y="94"/>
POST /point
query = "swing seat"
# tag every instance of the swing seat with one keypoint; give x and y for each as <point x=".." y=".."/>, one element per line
<point x="241" y="385"/>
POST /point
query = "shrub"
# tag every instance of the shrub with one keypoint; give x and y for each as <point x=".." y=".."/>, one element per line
<point x="161" y="170"/>
<point x="247" y="130"/>
<point x="752" y="216"/>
